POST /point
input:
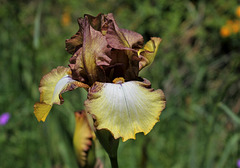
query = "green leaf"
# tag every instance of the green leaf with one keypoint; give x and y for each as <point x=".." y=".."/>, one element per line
<point x="230" y="113"/>
<point x="230" y="147"/>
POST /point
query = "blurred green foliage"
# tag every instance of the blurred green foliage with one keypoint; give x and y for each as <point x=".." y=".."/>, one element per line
<point x="198" y="70"/>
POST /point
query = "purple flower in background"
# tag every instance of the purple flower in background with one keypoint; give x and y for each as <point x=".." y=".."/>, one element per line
<point x="238" y="163"/>
<point x="4" y="118"/>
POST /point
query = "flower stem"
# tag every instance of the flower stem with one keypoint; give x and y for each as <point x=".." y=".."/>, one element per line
<point x="114" y="162"/>
<point x="110" y="144"/>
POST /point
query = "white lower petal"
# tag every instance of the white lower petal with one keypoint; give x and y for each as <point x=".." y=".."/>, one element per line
<point x="125" y="109"/>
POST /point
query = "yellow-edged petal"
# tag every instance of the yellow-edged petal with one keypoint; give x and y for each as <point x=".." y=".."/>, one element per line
<point x="51" y="87"/>
<point x="125" y="109"/>
<point x="83" y="140"/>
<point x="148" y="53"/>
<point x="41" y="111"/>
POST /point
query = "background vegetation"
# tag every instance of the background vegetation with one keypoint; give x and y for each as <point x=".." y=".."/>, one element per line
<point x="197" y="66"/>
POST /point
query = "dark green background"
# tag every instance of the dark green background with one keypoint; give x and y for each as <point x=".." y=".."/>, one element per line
<point x="197" y="69"/>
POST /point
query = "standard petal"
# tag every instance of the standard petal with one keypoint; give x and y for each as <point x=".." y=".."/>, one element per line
<point x="122" y="38"/>
<point x="135" y="40"/>
<point x="96" y="22"/>
<point x="125" y="109"/>
<point x="125" y="44"/>
<point x="94" y="52"/>
<point x="148" y="53"/>
<point x="75" y="42"/>
<point x="51" y="87"/>
<point x="87" y="62"/>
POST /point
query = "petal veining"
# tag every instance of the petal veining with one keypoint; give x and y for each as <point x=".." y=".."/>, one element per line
<point x="125" y="109"/>
<point x="88" y="60"/>
<point x="51" y="87"/>
<point x="61" y="87"/>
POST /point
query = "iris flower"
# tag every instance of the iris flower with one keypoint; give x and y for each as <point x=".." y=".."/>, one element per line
<point x="83" y="141"/>
<point x="106" y="61"/>
<point x="238" y="163"/>
<point x="4" y="118"/>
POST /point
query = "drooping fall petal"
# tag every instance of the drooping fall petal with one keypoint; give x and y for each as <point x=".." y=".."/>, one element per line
<point x="83" y="140"/>
<point x="41" y="110"/>
<point x="51" y="87"/>
<point x="125" y="108"/>
<point x="148" y="53"/>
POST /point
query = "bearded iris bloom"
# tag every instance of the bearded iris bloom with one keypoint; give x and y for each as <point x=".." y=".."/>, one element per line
<point x="106" y="61"/>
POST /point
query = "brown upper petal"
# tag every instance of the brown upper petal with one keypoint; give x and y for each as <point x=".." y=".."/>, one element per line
<point x="135" y="40"/>
<point x="122" y="66"/>
<point x="122" y="38"/>
<point x="77" y="67"/>
<point x="91" y="56"/>
<point x="75" y="42"/>
<point x="125" y="44"/>
<point x="102" y="51"/>
<point x="97" y="22"/>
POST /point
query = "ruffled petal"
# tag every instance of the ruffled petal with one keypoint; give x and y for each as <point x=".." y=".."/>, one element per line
<point x="51" y="87"/>
<point x="83" y="139"/>
<point x="75" y="42"/>
<point x="148" y="53"/>
<point x="94" y="51"/>
<point x="135" y="40"/>
<point x="102" y="51"/>
<point x="125" y="108"/>
<point x="87" y="61"/>
<point x="96" y="22"/>
<point x="124" y="57"/>
<point x="122" y="38"/>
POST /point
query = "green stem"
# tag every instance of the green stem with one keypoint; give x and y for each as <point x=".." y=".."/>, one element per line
<point x="114" y="162"/>
<point x="110" y="144"/>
